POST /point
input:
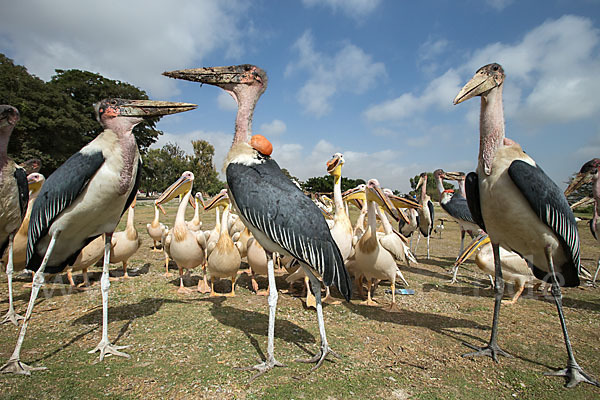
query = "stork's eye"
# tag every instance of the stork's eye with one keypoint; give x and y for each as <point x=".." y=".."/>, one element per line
<point x="495" y="68"/>
<point x="113" y="102"/>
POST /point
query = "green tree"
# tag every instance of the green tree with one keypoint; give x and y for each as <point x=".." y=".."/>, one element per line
<point x="324" y="184"/>
<point x="57" y="117"/>
<point x="201" y="164"/>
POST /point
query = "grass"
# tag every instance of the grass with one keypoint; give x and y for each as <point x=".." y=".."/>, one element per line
<point x="188" y="346"/>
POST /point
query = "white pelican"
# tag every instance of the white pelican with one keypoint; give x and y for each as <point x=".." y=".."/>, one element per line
<point x="186" y="247"/>
<point x="125" y="243"/>
<point x="196" y="223"/>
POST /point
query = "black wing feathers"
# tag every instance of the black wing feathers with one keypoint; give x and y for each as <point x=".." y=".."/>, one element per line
<point x="551" y="206"/>
<point x="21" y="178"/>
<point x="472" y="190"/>
<point x="276" y="206"/>
<point x="60" y="190"/>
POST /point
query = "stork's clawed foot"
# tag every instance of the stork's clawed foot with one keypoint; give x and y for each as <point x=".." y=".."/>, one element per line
<point x="489" y="350"/>
<point x="15" y="366"/>
<point x="12" y="316"/>
<point x="319" y="357"/>
<point x="574" y="375"/>
<point x="262" y="368"/>
<point x="107" y="349"/>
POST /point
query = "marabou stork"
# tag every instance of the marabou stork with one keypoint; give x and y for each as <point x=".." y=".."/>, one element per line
<point x="84" y="198"/>
<point x="589" y="171"/>
<point x="14" y="195"/>
<point x="426" y="212"/>
<point x="276" y="211"/>
<point x="521" y="209"/>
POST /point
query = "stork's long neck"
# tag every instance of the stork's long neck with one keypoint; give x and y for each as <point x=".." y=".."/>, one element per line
<point x="424" y="190"/>
<point x="246" y="97"/>
<point x="461" y="187"/>
<point x="4" y="138"/>
<point x="491" y="128"/>
<point x="440" y="186"/>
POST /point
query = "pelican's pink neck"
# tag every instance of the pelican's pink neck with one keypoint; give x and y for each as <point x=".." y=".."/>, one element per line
<point x="491" y="128"/>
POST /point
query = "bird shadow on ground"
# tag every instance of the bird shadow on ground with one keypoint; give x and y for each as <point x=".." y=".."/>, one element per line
<point x="252" y="323"/>
<point x="528" y="293"/>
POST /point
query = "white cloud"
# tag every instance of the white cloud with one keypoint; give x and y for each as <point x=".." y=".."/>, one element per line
<point x="133" y="41"/>
<point x="499" y="5"/>
<point x="348" y="70"/>
<point x="551" y="77"/>
<point x="273" y="128"/>
<point x="356" y="9"/>
<point x="439" y="92"/>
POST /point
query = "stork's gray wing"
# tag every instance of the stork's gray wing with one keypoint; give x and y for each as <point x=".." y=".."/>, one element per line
<point x="551" y="206"/>
<point x="277" y="207"/>
<point x="458" y="208"/>
<point x="60" y="190"/>
<point x="472" y="189"/>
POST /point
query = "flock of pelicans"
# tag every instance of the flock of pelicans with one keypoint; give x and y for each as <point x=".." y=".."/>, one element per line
<point x="522" y="225"/>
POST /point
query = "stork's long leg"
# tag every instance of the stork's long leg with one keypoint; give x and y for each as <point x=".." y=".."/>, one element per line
<point x="14" y="364"/>
<point x="105" y="347"/>
<point x="428" y="245"/>
<point x="11" y="315"/>
<point x="270" y="362"/>
<point x="573" y="372"/>
<point x="492" y="349"/>
<point x="462" y="242"/>
<point x="325" y="349"/>
<point x="596" y="274"/>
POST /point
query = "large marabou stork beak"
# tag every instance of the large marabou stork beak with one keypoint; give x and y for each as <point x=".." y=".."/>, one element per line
<point x="453" y="176"/>
<point x="180" y="186"/>
<point x="217" y="76"/>
<point x="480" y="83"/>
<point x="376" y="194"/>
<point x="478" y="242"/>
<point x="420" y="182"/>
<point x="152" y="108"/>
<point x="221" y="199"/>
<point x="579" y="180"/>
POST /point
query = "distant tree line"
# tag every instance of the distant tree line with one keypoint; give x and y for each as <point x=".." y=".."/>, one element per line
<point x="58" y="119"/>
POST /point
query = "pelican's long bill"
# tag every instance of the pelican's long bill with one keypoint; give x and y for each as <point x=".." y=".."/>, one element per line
<point x="221" y="199"/>
<point x="376" y="194"/>
<point x="479" y="241"/>
<point x="180" y="186"/>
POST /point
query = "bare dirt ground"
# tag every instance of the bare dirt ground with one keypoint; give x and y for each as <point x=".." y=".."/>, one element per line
<point x="188" y="346"/>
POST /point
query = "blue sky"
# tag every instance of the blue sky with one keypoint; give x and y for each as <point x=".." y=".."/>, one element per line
<point x="373" y="79"/>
